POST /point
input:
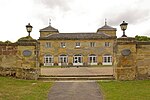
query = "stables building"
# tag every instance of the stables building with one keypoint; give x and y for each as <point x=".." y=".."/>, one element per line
<point x="77" y="49"/>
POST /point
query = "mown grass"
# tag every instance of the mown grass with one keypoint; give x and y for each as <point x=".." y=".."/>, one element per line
<point x="126" y="90"/>
<point x="15" y="89"/>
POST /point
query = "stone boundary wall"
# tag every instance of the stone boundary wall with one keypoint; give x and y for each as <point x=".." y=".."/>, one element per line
<point x="21" y="73"/>
<point x="14" y="62"/>
<point x="132" y="59"/>
<point x="143" y="60"/>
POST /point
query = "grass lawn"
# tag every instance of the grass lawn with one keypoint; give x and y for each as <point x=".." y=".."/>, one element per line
<point x="126" y="90"/>
<point x="15" y="89"/>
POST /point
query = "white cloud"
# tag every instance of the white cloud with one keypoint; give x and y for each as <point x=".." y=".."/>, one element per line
<point x="72" y="16"/>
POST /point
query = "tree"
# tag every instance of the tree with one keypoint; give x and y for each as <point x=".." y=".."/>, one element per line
<point x="142" y="38"/>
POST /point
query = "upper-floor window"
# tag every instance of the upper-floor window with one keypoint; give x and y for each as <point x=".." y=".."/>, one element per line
<point x="48" y="44"/>
<point x="92" y="44"/>
<point x="62" y="44"/>
<point x="107" y="44"/>
<point x="77" y="44"/>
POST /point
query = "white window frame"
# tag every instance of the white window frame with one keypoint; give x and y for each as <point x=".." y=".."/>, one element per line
<point x="107" y="44"/>
<point x="48" y="45"/>
<point x="107" y="60"/>
<point x="63" y="60"/>
<point x="78" y="44"/>
<point x="62" y="44"/>
<point x="92" y="44"/>
<point x="77" y="60"/>
<point x="48" y="60"/>
<point x="92" y="59"/>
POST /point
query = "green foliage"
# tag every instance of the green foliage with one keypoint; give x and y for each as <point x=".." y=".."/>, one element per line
<point x="16" y="89"/>
<point x="26" y="38"/>
<point x="142" y="38"/>
<point x="6" y="42"/>
<point x="126" y="90"/>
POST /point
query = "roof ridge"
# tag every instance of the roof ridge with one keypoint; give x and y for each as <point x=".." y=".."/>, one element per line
<point x="79" y="33"/>
<point x="49" y="28"/>
<point x="78" y="36"/>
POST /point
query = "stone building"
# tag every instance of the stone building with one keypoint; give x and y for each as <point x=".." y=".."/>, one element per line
<point x="77" y="49"/>
<point x="128" y="57"/>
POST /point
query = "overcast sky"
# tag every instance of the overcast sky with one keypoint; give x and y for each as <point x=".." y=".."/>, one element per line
<point x="72" y="16"/>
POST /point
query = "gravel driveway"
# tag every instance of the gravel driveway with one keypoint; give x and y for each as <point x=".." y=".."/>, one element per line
<point x="75" y="91"/>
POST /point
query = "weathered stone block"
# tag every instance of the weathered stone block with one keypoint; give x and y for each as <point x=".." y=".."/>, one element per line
<point x="125" y="73"/>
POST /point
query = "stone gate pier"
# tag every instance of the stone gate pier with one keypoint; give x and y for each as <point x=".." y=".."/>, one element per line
<point x="132" y="59"/>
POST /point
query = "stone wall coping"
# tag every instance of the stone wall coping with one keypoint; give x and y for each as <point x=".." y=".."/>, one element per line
<point x="26" y="44"/>
<point x="133" y="42"/>
<point x="78" y="39"/>
<point x="19" y="67"/>
<point x="126" y="43"/>
<point x="19" y="44"/>
<point x="126" y="38"/>
<point x="8" y="44"/>
<point x="143" y="42"/>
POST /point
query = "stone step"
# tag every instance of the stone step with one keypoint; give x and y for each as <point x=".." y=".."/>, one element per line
<point x="76" y="78"/>
<point x="96" y="75"/>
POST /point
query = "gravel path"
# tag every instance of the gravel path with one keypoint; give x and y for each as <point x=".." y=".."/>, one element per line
<point x="75" y="91"/>
<point x="77" y="71"/>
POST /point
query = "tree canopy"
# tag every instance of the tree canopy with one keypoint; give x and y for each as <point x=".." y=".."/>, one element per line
<point x="142" y="38"/>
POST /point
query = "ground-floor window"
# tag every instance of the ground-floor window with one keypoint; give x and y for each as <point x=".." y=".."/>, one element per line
<point x="92" y="59"/>
<point x="48" y="60"/>
<point x="77" y="60"/>
<point x="63" y="60"/>
<point x="107" y="60"/>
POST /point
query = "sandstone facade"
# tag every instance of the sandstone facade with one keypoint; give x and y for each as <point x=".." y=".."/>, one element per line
<point x="23" y="59"/>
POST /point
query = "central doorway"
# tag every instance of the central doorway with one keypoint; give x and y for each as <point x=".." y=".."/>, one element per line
<point x="77" y="60"/>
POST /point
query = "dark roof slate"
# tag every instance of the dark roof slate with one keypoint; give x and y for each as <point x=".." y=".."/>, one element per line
<point x="77" y="36"/>
<point x="106" y="27"/>
<point x="49" y="29"/>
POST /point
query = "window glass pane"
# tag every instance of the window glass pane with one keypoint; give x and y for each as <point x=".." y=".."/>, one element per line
<point x="65" y="60"/>
<point x="90" y="59"/>
<point x="94" y="59"/>
<point x="92" y="44"/>
<point x="107" y="44"/>
<point x="62" y="44"/>
<point x="79" y="59"/>
<point x="48" y="45"/>
<point x="46" y="60"/>
<point x="105" y="59"/>
<point x="50" y="60"/>
<point x="77" y="44"/>
<point x="108" y="59"/>
<point x="61" y="60"/>
<point x="75" y="60"/>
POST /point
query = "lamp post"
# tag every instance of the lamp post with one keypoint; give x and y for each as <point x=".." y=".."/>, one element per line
<point x="123" y="28"/>
<point x="29" y="28"/>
